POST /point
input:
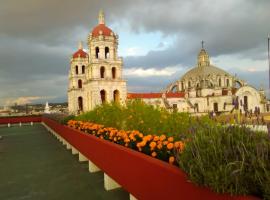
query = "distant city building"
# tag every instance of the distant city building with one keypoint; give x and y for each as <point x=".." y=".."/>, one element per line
<point x="47" y="108"/>
<point x="95" y="77"/>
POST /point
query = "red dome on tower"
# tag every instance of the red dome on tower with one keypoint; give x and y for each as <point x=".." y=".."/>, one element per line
<point x="101" y="29"/>
<point x="80" y="53"/>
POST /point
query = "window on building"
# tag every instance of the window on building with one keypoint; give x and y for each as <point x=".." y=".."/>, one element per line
<point x="219" y="82"/>
<point x="76" y="69"/>
<point x="189" y="84"/>
<point x="103" y="96"/>
<point x="79" y="83"/>
<point x="102" y="72"/>
<point x="80" y="104"/>
<point x="113" y="72"/>
<point x="196" y="107"/>
<point x="116" y="96"/>
<point x="182" y="86"/>
<point x="228" y="82"/>
<point x="83" y="69"/>
<point x="107" y="52"/>
<point x="97" y="52"/>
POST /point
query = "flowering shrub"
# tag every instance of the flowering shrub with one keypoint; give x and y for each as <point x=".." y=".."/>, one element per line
<point x="161" y="147"/>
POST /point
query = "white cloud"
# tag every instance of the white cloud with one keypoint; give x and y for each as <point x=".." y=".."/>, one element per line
<point x="23" y="100"/>
<point x="141" y="72"/>
<point x="135" y="51"/>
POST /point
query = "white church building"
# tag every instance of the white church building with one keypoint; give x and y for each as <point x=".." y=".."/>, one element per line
<point x="95" y="77"/>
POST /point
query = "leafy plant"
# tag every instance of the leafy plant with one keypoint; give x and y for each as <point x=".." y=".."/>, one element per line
<point x="231" y="160"/>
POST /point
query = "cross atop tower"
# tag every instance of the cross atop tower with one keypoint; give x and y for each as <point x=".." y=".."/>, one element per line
<point x="101" y="17"/>
<point x="202" y="44"/>
<point x="80" y="45"/>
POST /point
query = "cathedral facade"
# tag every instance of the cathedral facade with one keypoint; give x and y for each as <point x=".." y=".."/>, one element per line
<point x="95" y="76"/>
<point x="206" y="88"/>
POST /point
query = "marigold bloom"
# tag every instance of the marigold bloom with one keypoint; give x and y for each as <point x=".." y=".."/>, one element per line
<point x="153" y="145"/>
<point x="154" y="154"/>
<point x="159" y="146"/>
<point x="170" y="139"/>
<point x="156" y="138"/>
<point x="171" y="160"/>
<point x="170" y="146"/>
<point x="162" y="137"/>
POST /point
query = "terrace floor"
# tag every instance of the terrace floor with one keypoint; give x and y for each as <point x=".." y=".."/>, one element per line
<point x="34" y="165"/>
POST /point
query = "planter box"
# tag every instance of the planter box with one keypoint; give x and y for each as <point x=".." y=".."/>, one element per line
<point x="141" y="175"/>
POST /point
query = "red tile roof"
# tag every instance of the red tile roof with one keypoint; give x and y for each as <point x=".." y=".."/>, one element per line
<point x="143" y="95"/>
<point x="175" y="95"/>
<point x="80" y="53"/>
<point x="104" y="29"/>
<point x="155" y="95"/>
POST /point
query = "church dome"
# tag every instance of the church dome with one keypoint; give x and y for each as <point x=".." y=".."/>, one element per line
<point x="204" y="68"/>
<point x="101" y="29"/>
<point x="201" y="72"/>
<point x="80" y="53"/>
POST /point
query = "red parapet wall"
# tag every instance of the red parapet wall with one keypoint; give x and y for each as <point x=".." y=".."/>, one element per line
<point x="141" y="175"/>
<point x="22" y="119"/>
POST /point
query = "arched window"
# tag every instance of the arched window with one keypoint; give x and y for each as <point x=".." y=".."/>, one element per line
<point x="189" y="84"/>
<point x="76" y="69"/>
<point x="83" y="69"/>
<point x="116" y="96"/>
<point x="103" y="96"/>
<point x="182" y="86"/>
<point x="228" y="82"/>
<point x="97" y="52"/>
<point x="107" y="52"/>
<point x="80" y="104"/>
<point x="79" y="83"/>
<point x="102" y="72"/>
<point x="219" y="82"/>
<point x="174" y="89"/>
<point x="113" y="72"/>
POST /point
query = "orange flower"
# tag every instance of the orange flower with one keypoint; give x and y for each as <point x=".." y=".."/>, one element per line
<point x="177" y="144"/>
<point x="171" y="160"/>
<point x="159" y="146"/>
<point x="162" y="137"/>
<point x="153" y="145"/>
<point x="170" y="146"/>
<point x="154" y="154"/>
<point x="143" y="143"/>
<point x="165" y="142"/>
<point x="156" y="138"/>
<point x="170" y="139"/>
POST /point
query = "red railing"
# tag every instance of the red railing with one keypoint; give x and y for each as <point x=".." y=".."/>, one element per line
<point x="22" y="119"/>
<point x="141" y="175"/>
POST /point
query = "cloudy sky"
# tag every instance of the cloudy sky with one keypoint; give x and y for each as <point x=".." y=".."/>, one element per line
<point x="158" y="39"/>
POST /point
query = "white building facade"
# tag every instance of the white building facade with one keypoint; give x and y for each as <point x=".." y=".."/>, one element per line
<point x="95" y="77"/>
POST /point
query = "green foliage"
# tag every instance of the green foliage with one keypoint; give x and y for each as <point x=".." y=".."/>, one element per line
<point x="147" y="119"/>
<point x="229" y="160"/>
<point x="65" y="119"/>
<point x="109" y="115"/>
